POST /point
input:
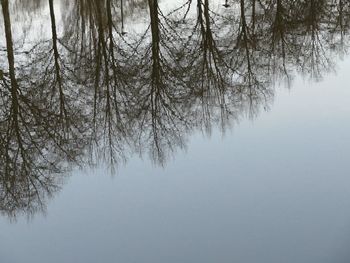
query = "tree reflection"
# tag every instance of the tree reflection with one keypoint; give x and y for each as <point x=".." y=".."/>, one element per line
<point x="35" y="149"/>
<point x="161" y="94"/>
<point x="89" y="89"/>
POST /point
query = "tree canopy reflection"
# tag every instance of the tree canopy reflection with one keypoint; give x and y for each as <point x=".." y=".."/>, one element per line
<point x="92" y="91"/>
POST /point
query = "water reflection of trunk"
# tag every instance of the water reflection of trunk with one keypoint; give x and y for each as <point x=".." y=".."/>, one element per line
<point x="253" y="16"/>
<point x="63" y="111"/>
<point x="159" y="93"/>
<point x="11" y="59"/>
<point x="211" y="54"/>
<point x="246" y="41"/>
<point x="156" y="77"/>
<point x="156" y="67"/>
<point x="14" y="127"/>
<point x="91" y="38"/>
<point x="210" y="74"/>
<point x="279" y="42"/>
<point x="315" y="58"/>
<point x="109" y="80"/>
<point x="340" y="28"/>
<point x="156" y="84"/>
<point x="251" y="72"/>
<point x="122" y="16"/>
<point x="340" y="20"/>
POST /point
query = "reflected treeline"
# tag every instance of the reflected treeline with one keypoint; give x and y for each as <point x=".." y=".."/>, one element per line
<point x="96" y="88"/>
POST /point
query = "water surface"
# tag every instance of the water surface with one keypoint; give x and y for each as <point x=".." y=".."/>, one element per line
<point x="138" y="131"/>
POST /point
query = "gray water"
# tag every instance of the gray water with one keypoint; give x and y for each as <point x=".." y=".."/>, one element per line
<point x="265" y="180"/>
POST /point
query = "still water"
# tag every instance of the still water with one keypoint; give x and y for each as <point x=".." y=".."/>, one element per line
<point x="174" y="131"/>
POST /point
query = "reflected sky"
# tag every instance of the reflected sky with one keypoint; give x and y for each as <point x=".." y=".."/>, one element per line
<point x="240" y="116"/>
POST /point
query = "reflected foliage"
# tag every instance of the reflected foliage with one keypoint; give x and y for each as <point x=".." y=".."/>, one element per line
<point x="110" y="78"/>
